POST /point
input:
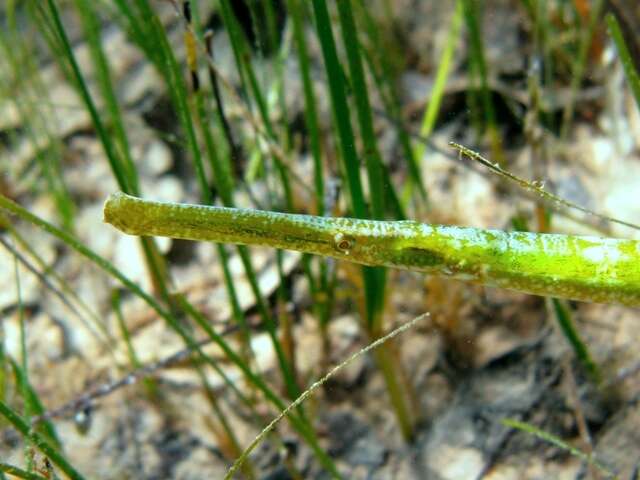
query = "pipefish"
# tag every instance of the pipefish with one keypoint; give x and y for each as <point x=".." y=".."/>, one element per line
<point x="587" y="268"/>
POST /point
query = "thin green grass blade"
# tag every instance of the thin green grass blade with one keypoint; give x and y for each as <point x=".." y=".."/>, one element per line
<point x="39" y="442"/>
<point x="479" y="62"/>
<point x="579" y="65"/>
<point x="91" y="27"/>
<point x="558" y="442"/>
<point x="384" y="77"/>
<point x="245" y="65"/>
<point x="22" y="380"/>
<point x="67" y="57"/>
<point x="373" y="161"/>
<point x="32" y="102"/>
<point x="580" y="348"/>
<point x="294" y="7"/>
<point x="341" y="113"/>
<point x="34" y="405"/>
<point x="442" y="75"/>
<point x="20" y="473"/>
<point x="372" y="158"/>
<point x="625" y="56"/>
<point x="133" y="16"/>
<point x="350" y="160"/>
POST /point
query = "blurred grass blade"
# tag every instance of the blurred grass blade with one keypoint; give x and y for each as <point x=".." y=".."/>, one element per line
<point x="625" y="56"/>
<point x="243" y="64"/>
<point x="385" y="78"/>
<point x="68" y="58"/>
<point x="321" y="302"/>
<point x="350" y="160"/>
<point x="91" y="27"/>
<point x="373" y="278"/>
<point x="558" y="442"/>
<point x="580" y="63"/>
<point x="39" y="442"/>
<point x="471" y="15"/>
<point x="21" y="84"/>
<point x="22" y="380"/>
<point x="568" y="328"/>
<point x="372" y="158"/>
<point x="34" y="405"/>
<point x="442" y="75"/>
<point x="19" y="473"/>
<point x="373" y="161"/>
<point x="341" y="113"/>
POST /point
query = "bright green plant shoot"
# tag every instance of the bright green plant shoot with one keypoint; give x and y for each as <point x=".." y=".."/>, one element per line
<point x="592" y="269"/>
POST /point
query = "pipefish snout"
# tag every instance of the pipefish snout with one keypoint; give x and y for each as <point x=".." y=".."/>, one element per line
<point x="592" y="269"/>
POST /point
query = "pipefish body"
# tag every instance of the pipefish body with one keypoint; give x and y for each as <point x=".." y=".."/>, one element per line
<point x="592" y="269"/>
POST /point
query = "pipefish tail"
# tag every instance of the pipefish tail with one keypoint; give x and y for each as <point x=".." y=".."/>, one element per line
<point x="592" y="269"/>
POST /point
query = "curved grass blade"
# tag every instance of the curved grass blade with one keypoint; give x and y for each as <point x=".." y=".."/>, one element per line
<point x="536" y="188"/>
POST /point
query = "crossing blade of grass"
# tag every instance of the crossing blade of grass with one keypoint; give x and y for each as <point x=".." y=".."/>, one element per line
<point x="32" y="103"/>
<point x="321" y="303"/>
<point x="471" y="15"/>
<point x="570" y="332"/>
<point x="373" y="160"/>
<point x="19" y="473"/>
<point x="34" y="405"/>
<point x="385" y="76"/>
<point x="442" y="75"/>
<point x="373" y="278"/>
<point x="558" y="442"/>
<point x="244" y="65"/>
<point x="580" y="64"/>
<point x="91" y="27"/>
<point x="625" y="56"/>
<point x="39" y="442"/>
<point x="22" y="380"/>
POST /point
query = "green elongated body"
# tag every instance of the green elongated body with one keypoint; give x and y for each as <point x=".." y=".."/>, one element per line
<point x="593" y="269"/>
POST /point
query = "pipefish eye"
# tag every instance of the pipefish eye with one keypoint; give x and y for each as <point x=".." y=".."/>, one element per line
<point x="343" y="243"/>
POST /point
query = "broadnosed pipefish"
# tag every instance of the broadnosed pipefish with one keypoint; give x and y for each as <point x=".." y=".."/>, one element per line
<point x="592" y="269"/>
